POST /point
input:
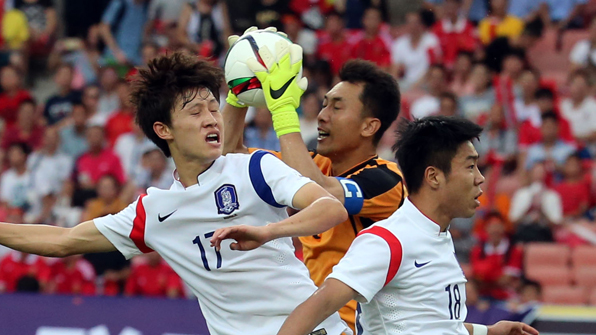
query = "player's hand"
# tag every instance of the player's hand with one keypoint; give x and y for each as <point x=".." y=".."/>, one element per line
<point x="279" y="75"/>
<point x="511" y="328"/>
<point x="282" y="87"/>
<point x="232" y="99"/>
<point x="247" y="237"/>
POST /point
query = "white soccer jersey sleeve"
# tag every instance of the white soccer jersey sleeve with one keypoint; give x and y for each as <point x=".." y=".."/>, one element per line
<point x="365" y="267"/>
<point x="119" y="227"/>
<point x="268" y="171"/>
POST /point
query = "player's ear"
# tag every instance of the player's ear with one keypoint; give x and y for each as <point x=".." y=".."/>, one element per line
<point x="162" y="131"/>
<point x="433" y="177"/>
<point x="370" y="126"/>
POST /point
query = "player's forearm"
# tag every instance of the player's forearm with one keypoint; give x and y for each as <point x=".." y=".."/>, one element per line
<point x="34" y="239"/>
<point x="320" y="216"/>
<point x="296" y="155"/>
<point x="327" y="300"/>
<point x="233" y="118"/>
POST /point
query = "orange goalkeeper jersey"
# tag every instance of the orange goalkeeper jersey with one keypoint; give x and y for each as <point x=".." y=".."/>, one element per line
<point x="382" y="192"/>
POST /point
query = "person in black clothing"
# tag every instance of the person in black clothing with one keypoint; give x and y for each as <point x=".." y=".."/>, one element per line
<point x="59" y="106"/>
<point x="501" y="47"/>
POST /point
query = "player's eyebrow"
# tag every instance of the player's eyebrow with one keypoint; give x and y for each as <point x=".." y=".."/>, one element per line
<point x="473" y="157"/>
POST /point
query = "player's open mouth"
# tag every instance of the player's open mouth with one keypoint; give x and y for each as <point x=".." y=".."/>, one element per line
<point x="213" y="138"/>
<point x="322" y="135"/>
<point x="476" y="198"/>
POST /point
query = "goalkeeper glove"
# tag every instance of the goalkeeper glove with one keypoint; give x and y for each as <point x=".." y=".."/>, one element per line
<point x="232" y="99"/>
<point x="281" y="85"/>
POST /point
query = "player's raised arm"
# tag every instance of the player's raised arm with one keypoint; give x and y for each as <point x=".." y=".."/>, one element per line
<point x="320" y="211"/>
<point x="53" y="241"/>
<point x="329" y="298"/>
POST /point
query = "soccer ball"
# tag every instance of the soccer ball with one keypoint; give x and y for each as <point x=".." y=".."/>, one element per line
<point x="240" y="79"/>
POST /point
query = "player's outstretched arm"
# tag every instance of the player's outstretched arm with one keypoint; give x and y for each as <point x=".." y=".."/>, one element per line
<point x="501" y="328"/>
<point x="320" y="211"/>
<point x="53" y="241"/>
<point x="328" y="299"/>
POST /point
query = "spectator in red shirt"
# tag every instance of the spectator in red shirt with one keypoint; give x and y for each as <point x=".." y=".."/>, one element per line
<point x="18" y="265"/>
<point x="25" y="130"/>
<point x="120" y="122"/>
<point x="334" y="47"/>
<point x="574" y="189"/>
<point x="73" y="275"/>
<point x="530" y="134"/>
<point x="98" y="161"/>
<point x="455" y="32"/>
<point x="12" y="94"/>
<point x="153" y="278"/>
<point x="372" y="47"/>
<point x="496" y="261"/>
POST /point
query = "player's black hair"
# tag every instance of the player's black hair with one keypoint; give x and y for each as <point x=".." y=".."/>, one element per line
<point x="380" y="96"/>
<point x="544" y="93"/>
<point x="550" y="116"/>
<point x="430" y="141"/>
<point x="157" y="88"/>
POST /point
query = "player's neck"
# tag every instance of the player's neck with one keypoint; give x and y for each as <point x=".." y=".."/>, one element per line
<point x="345" y="161"/>
<point x="189" y="171"/>
<point x="428" y="206"/>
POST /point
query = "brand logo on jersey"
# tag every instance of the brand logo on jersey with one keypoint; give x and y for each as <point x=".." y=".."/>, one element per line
<point x="163" y="218"/>
<point x="419" y="265"/>
<point x="226" y="199"/>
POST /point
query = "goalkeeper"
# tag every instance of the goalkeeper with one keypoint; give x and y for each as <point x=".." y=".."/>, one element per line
<point x="355" y="114"/>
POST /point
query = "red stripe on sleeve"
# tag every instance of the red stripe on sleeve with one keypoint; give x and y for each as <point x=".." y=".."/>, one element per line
<point x="394" y="247"/>
<point x="137" y="235"/>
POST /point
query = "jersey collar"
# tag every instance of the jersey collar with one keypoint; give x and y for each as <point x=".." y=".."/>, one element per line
<point x="421" y="220"/>
<point x="204" y="177"/>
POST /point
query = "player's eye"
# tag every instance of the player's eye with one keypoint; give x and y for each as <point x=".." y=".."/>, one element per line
<point x="471" y="166"/>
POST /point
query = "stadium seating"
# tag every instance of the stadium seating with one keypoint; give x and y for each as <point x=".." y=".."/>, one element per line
<point x="550" y="274"/>
<point x="584" y="256"/>
<point x="564" y="295"/>
<point x="537" y="254"/>
<point x="593" y="298"/>
<point x="585" y="277"/>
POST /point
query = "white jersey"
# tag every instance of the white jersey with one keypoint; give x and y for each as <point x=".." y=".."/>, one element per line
<point x="250" y="292"/>
<point x="407" y="276"/>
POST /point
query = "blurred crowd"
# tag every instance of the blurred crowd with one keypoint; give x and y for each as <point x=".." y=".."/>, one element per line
<point x="523" y="69"/>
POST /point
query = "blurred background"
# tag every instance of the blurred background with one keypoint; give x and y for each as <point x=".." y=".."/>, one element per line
<point x="524" y="69"/>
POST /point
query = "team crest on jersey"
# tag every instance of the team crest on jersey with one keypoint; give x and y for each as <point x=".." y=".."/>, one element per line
<point x="226" y="199"/>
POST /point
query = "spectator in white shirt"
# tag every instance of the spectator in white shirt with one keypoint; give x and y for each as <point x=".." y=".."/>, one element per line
<point x="156" y="172"/>
<point x="535" y="209"/>
<point x="479" y="103"/>
<point x="15" y="181"/>
<point x="129" y="148"/>
<point x="300" y="35"/>
<point x="413" y="53"/>
<point x="48" y="169"/>
<point x="583" y="54"/>
<point x="526" y="108"/>
<point x="429" y="104"/>
<point x="552" y="150"/>
<point x="580" y="108"/>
